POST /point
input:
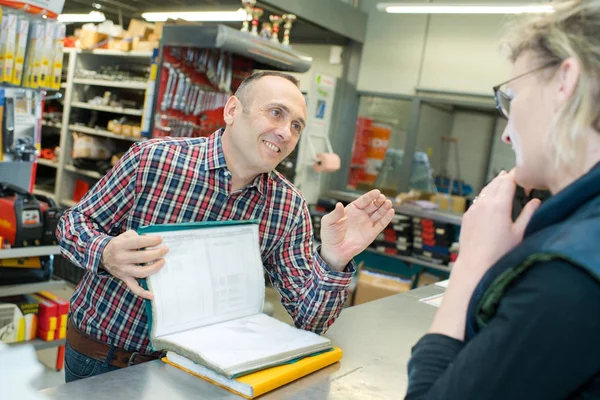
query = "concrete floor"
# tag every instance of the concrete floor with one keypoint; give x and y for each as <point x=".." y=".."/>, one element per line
<point x="47" y="357"/>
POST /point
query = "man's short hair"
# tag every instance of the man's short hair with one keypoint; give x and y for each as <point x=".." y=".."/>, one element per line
<point x="243" y="91"/>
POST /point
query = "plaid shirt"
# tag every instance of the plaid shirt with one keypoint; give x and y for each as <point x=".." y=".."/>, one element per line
<point x="182" y="180"/>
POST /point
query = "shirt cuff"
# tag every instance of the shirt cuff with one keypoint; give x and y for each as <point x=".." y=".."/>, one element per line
<point x="95" y="248"/>
<point x="329" y="279"/>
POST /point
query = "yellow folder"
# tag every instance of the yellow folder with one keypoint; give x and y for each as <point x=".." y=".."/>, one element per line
<point x="258" y="383"/>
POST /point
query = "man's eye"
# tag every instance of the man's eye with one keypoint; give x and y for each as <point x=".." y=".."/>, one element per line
<point x="297" y="127"/>
<point x="275" y="112"/>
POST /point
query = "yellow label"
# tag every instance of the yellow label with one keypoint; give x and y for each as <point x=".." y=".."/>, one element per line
<point x="53" y="323"/>
<point x="21" y="330"/>
<point x="9" y="51"/>
<point x="23" y="29"/>
<point x="28" y="262"/>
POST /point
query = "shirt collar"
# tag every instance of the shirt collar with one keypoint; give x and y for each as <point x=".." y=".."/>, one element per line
<point x="260" y="182"/>
<point x="215" y="159"/>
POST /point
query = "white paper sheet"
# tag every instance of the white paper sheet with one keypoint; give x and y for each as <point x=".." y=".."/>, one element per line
<point x="435" y="301"/>
<point x="443" y="284"/>
<point x="210" y="275"/>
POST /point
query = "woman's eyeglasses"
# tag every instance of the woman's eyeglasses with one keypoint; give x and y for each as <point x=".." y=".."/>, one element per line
<point x="503" y="100"/>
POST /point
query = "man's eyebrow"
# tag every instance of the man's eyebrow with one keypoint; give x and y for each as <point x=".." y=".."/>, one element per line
<point x="287" y="110"/>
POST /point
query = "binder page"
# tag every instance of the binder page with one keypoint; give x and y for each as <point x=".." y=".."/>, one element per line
<point x="211" y="274"/>
<point x="249" y="342"/>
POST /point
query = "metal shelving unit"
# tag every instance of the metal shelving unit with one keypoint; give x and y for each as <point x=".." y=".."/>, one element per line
<point x="103" y="133"/>
<point x="89" y="174"/>
<point x="413" y="211"/>
<point x="68" y="202"/>
<point x="118" y="53"/>
<point x="54" y="284"/>
<point x="47" y="163"/>
<point x="47" y="180"/>
<point x="116" y="110"/>
<point x="39" y="191"/>
<point x="40" y="344"/>
<point x="14" y="290"/>
<point x="57" y="125"/>
<point x="413" y="260"/>
<point x="34" y="251"/>
<point x="75" y="97"/>
<point x="115" y="84"/>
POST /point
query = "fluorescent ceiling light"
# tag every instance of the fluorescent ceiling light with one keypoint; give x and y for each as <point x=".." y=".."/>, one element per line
<point x="463" y="8"/>
<point x="94" y="16"/>
<point x="217" y="16"/>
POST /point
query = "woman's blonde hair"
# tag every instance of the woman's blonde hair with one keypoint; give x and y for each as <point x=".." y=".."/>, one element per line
<point x="572" y="31"/>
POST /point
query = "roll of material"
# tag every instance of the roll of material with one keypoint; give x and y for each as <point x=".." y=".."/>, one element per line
<point x="47" y="154"/>
<point x="327" y="162"/>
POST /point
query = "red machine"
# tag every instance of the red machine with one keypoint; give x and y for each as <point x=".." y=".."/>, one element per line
<point x="21" y="217"/>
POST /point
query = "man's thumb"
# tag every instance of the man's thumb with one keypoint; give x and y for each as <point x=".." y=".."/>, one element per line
<point x="523" y="220"/>
<point x="336" y="215"/>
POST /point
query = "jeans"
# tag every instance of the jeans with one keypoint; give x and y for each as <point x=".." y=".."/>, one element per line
<point x="79" y="366"/>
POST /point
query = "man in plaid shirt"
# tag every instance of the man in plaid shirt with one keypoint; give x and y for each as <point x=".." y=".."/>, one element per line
<point x="227" y="176"/>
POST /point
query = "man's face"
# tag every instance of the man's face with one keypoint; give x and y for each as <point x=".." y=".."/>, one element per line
<point x="268" y="129"/>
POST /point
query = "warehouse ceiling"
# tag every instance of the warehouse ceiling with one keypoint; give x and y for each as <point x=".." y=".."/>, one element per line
<point x="123" y="10"/>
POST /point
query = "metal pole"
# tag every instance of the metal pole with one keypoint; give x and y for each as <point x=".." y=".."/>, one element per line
<point x="410" y="146"/>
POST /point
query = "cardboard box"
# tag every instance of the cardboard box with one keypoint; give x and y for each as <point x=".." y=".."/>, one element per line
<point x="140" y="29"/>
<point x="63" y="313"/>
<point x="126" y="130"/>
<point x="114" y="127"/>
<point x="158" y="29"/>
<point x="121" y="45"/>
<point x="136" y="131"/>
<point x="91" y="40"/>
<point x="48" y="317"/>
<point x="457" y="204"/>
<point x="427" y="279"/>
<point x="153" y="37"/>
<point x="144" y="45"/>
<point x="373" y="286"/>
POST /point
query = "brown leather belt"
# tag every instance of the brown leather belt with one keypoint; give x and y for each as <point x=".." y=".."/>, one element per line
<point x="98" y="350"/>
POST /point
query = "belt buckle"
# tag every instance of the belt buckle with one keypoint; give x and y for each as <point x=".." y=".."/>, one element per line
<point x="131" y="361"/>
<point x="148" y="357"/>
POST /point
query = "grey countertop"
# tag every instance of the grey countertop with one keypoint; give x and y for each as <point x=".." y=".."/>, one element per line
<point x="376" y="339"/>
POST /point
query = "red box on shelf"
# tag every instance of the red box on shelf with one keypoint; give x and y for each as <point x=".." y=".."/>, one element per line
<point x="81" y="188"/>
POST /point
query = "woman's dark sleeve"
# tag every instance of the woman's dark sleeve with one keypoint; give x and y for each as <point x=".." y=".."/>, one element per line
<point x="543" y="343"/>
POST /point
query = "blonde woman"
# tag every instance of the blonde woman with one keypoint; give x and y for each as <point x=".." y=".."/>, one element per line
<point x="521" y="316"/>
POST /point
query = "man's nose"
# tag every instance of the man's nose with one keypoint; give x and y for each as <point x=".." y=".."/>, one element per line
<point x="284" y="132"/>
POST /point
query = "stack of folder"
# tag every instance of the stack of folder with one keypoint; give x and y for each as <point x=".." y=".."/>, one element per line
<point x="256" y="384"/>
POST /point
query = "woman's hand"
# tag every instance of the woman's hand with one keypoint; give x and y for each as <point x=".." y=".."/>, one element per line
<point x="487" y="231"/>
<point x="487" y="234"/>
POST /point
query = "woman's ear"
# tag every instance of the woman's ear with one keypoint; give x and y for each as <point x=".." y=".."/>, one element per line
<point x="568" y="78"/>
<point x="232" y="106"/>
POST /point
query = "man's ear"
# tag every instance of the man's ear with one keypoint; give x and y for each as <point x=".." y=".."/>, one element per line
<point x="232" y="107"/>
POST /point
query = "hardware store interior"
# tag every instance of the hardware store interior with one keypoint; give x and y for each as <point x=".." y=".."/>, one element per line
<point x="331" y="213"/>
